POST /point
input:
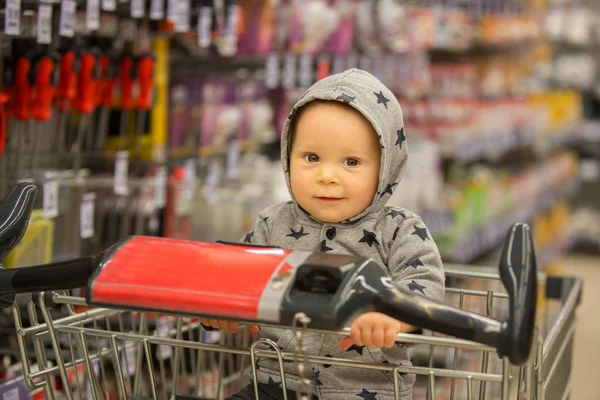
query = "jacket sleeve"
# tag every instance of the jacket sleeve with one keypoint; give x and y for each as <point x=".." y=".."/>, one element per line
<point x="260" y="231"/>
<point x="414" y="261"/>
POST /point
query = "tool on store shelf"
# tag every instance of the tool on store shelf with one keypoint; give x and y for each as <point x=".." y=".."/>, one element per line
<point x="44" y="76"/>
<point x="127" y="80"/>
<point x="106" y="91"/>
<point x="22" y="95"/>
<point x="328" y="289"/>
<point x="69" y="68"/>
<point x="6" y="87"/>
<point x="145" y="72"/>
<point x="85" y="102"/>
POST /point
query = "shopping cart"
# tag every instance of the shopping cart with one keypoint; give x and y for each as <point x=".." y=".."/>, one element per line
<point x="140" y="339"/>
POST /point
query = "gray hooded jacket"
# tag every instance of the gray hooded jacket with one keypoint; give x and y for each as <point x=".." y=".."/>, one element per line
<point x="392" y="237"/>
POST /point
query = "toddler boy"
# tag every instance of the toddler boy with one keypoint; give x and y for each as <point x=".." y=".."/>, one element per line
<point x="344" y="150"/>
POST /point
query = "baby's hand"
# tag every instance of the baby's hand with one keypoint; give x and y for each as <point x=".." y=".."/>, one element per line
<point x="373" y="330"/>
<point x="229" y="326"/>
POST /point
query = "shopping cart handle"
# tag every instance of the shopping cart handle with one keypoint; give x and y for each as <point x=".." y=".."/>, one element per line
<point x="518" y="272"/>
<point x="15" y="212"/>
<point x="513" y="337"/>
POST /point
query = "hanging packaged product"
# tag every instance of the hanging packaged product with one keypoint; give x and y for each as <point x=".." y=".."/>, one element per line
<point x="259" y="18"/>
<point x="312" y="24"/>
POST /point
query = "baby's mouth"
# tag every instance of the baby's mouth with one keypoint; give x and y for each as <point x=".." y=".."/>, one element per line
<point x="329" y="199"/>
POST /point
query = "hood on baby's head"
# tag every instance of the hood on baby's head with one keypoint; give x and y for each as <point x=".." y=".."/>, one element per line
<point x="379" y="106"/>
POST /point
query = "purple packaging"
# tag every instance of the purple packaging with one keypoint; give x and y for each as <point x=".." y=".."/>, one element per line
<point x="179" y="114"/>
<point x="213" y="95"/>
<point x="342" y="40"/>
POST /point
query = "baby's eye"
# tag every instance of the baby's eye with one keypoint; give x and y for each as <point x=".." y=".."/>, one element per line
<point x="311" y="158"/>
<point x="352" y="162"/>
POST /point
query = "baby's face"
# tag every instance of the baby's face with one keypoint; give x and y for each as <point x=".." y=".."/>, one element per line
<point x="334" y="162"/>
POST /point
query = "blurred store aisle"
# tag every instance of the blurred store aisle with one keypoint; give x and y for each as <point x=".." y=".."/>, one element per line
<point x="587" y="345"/>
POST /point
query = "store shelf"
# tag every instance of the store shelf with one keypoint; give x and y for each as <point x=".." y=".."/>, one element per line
<point x="491" y="234"/>
<point x="493" y="147"/>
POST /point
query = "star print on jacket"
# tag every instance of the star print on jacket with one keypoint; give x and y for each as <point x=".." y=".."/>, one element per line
<point x="358" y="349"/>
<point x="401" y="137"/>
<point x="415" y="286"/>
<point x="367" y="395"/>
<point x="421" y="232"/>
<point x="265" y="219"/>
<point x="416" y="263"/>
<point x="395" y="235"/>
<point x="323" y="248"/>
<point x="248" y="237"/>
<point x="345" y="98"/>
<point x="381" y="141"/>
<point x="327" y="365"/>
<point x="395" y="213"/>
<point x="317" y="381"/>
<point x="297" y="235"/>
<point x="272" y="383"/>
<point x="368" y="238"/>
<point x="389" y="189"/>
<point x="381" y="99"/>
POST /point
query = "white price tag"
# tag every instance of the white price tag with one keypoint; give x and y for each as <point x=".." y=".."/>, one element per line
<point x="272" y="71"/>
<point x="289" y="71"/>
<point x="12" y="17"/>
<point x="205" y="15"/>
<point x="121" y="184"/>
<point x="365" y="63"/>
<point x="50" y="205"/>
<point x="338" y="65"/>
<point x="138" y="8"/>
<point x="67" y="18"/>
<point x="109" y="5"/>
<point x="306" y="70"/>
<point x="190" y="179"/>
<point x="157" y="9"/>
<point x="212" y="183"/>
<point x="233" y="156"/>
<point x="232" y="21"/>
<point x="92" y="15"/>
<point x="86" y="216"/>
<point x="352" y="61"/>
<point x="44" y="24"/>
<point x="160" y="187"/>
<point x="182" y="22"/>
<point x="172" y="10"/>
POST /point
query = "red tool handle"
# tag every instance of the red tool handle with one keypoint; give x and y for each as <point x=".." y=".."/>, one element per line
<point x="127" y="79"/>
<point x="3" y="118"/>
<point x="44" y="88"/>
<point x="67" y="81"/>
<point x="145" y="77"/>
<point x="22" y="91"/>
<point x="8" y="81"/>
<point x="87" y="84"/>
<point x="108" y="82"/>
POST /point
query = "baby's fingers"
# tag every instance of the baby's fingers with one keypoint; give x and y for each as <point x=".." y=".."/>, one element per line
<point x="378" y="337"/>
<point x="390" y="338"/>
<point x="345" y="342"/>
<point x="253" y="328"/>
